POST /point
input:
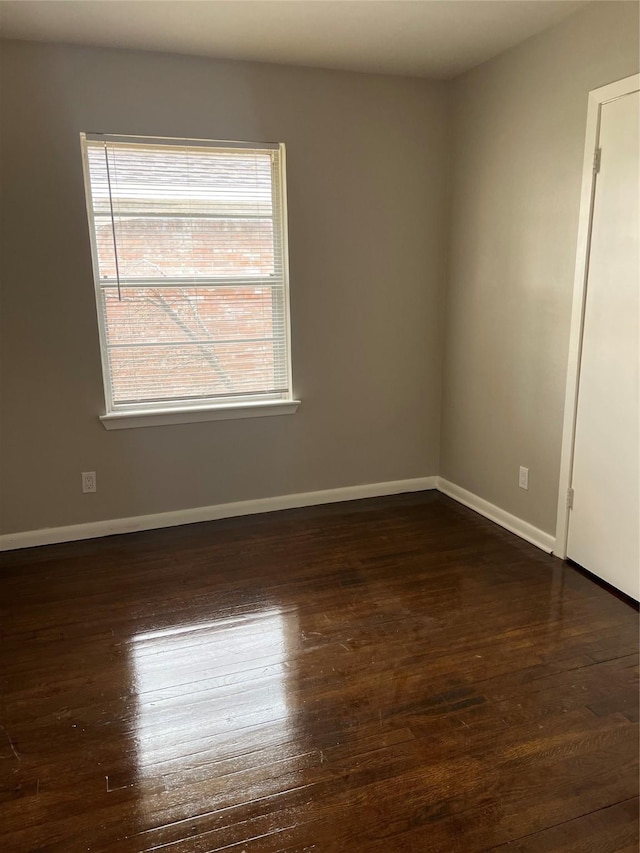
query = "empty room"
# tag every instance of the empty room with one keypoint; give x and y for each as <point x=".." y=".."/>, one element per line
<point x="319" y="426"/>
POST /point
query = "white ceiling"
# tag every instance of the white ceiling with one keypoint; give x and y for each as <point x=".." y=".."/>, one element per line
<point x="426" y="38"/>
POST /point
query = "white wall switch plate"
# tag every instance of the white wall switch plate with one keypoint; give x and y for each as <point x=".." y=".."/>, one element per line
<point x="88" y="481"/>
<point x="523" y="480"/>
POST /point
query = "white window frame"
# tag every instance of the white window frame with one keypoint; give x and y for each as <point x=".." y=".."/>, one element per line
<point x="163" y="413"/>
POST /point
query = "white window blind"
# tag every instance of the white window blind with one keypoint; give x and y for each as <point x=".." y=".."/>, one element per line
<point x="189" y="249"/>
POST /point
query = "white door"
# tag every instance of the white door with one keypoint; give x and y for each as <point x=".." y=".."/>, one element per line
<point x="604" y="524"/>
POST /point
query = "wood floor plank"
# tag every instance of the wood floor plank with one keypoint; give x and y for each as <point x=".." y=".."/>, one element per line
<point x="393" y="674"/>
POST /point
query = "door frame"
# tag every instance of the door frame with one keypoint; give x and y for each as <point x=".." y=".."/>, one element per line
<point x="597" y="98"/>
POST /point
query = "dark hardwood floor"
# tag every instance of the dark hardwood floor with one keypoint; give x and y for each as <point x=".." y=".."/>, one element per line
<point x="387" y="675"/>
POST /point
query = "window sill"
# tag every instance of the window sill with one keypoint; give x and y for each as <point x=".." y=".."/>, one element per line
<point x="163" y="417"/>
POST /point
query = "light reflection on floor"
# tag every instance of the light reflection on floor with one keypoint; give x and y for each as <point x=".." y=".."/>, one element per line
<point x="207" y="693"/>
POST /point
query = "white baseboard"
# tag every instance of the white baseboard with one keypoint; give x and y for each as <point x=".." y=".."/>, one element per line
<point x="96" y="529"/>
<point x="512" y="523"/>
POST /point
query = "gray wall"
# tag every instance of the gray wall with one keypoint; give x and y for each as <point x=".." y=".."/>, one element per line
<point x="367" y="236"/>
<point x="518" y="128"/>
<point x="368" y="159"/>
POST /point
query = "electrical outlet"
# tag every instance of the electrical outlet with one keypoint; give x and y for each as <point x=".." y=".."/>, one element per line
<point x="88" y="481"/>
<point x="523" y="480"/>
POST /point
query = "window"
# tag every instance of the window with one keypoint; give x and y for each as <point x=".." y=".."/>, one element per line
<point x="190" y="263"/>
